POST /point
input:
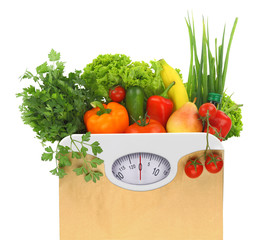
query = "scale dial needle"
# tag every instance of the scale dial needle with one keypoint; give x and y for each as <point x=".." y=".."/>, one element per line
<point x="140" y="166"/>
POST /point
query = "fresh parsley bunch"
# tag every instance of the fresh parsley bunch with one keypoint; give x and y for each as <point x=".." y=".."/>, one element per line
<point x="55" y="107"/>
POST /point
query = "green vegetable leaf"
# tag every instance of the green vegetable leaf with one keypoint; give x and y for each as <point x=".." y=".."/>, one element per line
<point x="94" y="179"/>
<point x="88" y="177"/>
<point x="94" y="165"/>
<point x="107" y="71"/>
<point x="54" y="171"/>
<point x="98" y="161"/>
<point x="63" y="149"/>
<point x="43" y="68"/>
<point x="84" y="150"/>
<point x="47" y="157"/>
<point x="96" y="148"/>
<point x="179" y="73"/>
<point x="61" y="173"/>
<point x="53" y="56"/>
<point x="63" y="160"/>
<point x="49" y="149"/>
<point x="86" y="137"/>
<point x="97" y="175"/>
<point x="230" y="108"/>
<point x="58" y="172"/>
<point x="76" y="155"/>
<point x="78" y="171"/>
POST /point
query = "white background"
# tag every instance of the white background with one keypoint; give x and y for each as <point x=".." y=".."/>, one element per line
<point x="144" y="30"/>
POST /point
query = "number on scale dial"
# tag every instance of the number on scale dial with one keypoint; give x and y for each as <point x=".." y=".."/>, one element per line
<point x="141" y="168"/>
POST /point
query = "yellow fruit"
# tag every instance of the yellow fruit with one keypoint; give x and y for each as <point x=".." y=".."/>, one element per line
<point x="177" y="93"/>
<point x="185" y="119"/>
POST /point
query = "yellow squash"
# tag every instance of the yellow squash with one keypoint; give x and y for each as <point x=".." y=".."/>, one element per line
<point x="177" y="93"/>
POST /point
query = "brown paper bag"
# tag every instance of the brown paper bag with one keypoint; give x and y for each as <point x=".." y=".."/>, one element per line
<point x="184" y="209"/>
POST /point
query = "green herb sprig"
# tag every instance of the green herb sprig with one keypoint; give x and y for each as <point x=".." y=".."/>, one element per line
<point x="61" y="155"/>
<point x="54" y="107"/>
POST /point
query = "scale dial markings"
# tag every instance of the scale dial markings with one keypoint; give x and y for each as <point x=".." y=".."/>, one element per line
<point x="141" y="168"/>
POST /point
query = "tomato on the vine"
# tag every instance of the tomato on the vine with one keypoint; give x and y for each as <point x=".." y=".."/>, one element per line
<point x="211" y="108"/>
<point x="213" y="163"/>
<point x="193" y="168"/>
<point x="117" y="94"/>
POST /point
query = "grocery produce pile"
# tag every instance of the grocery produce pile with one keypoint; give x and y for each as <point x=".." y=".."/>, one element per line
<point x="113" y="94"/>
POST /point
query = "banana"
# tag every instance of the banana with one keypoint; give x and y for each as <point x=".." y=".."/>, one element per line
<point x="177" y="93"/>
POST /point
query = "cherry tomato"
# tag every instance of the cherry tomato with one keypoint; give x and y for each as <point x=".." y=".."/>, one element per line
<point x="213" y="163"/>
<point x="151" y="126"/>
<point x="215" y="131"/>
<point x="193" y="168"/>
<point x="211" y="108"/>
<point x="117" y="94"/>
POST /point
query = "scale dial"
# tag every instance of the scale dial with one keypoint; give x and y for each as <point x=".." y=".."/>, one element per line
<point x="141" y="168"/>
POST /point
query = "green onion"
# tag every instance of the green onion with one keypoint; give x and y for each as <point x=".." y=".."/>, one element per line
<point x="227" y="54"/>
<point x="209" y="73"/>
<point x="220" y="64"/>
<point x="204" y="78"/>
<point x="190" y="79"/>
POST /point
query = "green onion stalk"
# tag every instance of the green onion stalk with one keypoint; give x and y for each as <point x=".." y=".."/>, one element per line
<point x="207" y="74"/>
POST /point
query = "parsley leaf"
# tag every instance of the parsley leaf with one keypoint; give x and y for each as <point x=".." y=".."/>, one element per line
<point x="98" y="161"/>
<point x="58" y="172"/>
<point x="76" y="155"/>
<point x="88" y="177"/>
<point x="96" y="148"/>
<point x="78" y="171"/>
<point x="86" y="137"/>
<point x="54" y="56"/>
<point x="47" y="157"/>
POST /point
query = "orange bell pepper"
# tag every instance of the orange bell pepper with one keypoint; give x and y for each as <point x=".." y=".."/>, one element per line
<point x="110" y="118"/>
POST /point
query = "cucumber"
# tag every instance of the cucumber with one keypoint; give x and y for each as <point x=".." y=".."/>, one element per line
<point x="135" y="103"/>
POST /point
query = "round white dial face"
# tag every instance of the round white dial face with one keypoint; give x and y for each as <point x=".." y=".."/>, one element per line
<point x="141" y="168"/>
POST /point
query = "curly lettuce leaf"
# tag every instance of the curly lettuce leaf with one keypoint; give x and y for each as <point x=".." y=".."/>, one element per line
<point x="110" y="70"/>
<point x="229" y="107"/>
<point x="104" y="72"/>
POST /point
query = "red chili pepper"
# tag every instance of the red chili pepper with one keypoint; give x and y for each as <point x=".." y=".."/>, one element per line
<point x="160" y="107"/>
<point x="222" y="122"/>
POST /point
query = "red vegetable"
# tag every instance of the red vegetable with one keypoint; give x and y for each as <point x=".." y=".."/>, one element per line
<point x="117" y="94"/>
<point x="146" y="126"/>
<point x="222" y="122"/>
<point x="193" y="168"/>
<point x="160" y="107"/>
<point x="217" y="119"/>
<point x="211" y="108"/>
<point x="213" y="163"/>
<point x="214" y="131"/>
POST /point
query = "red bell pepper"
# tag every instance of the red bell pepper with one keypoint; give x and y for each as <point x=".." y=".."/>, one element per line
<point x="160" y="107"/>
<point x="222" y="122"/>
